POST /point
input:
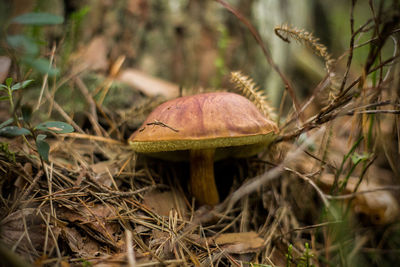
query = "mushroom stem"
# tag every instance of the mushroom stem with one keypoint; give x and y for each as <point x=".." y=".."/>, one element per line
<point x="202" y="181"/>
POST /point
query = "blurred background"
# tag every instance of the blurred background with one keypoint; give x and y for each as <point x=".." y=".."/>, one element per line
<point x="193" y="44"/>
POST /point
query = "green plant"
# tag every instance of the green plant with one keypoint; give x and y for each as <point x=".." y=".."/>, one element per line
<point x="289" y="256"/>
<point x="25" y="47"/>
<point x="354" y="160"/>
<point x="6" y="152"/>
<point x="73" y="32"/>
<point x="305" y="259"/>
<point x="22" y="125"/>
<point x="86" y="263"/>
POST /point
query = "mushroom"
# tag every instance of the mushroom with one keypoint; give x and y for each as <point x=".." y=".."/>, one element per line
<point x="204" y="128"/>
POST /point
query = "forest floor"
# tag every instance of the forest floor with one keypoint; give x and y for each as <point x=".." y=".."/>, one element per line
<point x="324" y="193"/>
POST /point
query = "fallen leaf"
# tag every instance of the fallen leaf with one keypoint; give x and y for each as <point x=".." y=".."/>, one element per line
<point x="163" y="202"/>
<point x="21" y="182"/>
<point x="380" y="206"/>
<point x="81" y="245"/>
<point x="239" y="243"/>
<point x="5" y="64"/>
<point x="103" y="170"/>
<point x="95" y="221"/>
<point x="148" y="84"/>
<point x="13" y="230"/>
<point x="93" y="56"/>
<point x="162" y="241"/>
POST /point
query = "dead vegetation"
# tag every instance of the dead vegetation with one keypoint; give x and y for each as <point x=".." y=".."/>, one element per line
<point x="325" y="194"/>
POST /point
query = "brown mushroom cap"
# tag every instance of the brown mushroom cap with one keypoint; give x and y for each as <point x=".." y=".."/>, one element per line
<point x="203" y="121"/>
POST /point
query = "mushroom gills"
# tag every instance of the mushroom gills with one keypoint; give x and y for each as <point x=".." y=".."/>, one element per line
<point x="221" y="153"/>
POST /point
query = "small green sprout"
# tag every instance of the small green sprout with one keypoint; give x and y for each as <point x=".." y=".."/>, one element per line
<point x="22" y="125"/>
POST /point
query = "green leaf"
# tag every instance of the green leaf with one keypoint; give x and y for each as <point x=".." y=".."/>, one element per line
<point x="80" y="14"/>
<point x="3" y="86"/>
<point x="6" y="97"/>
<point x="55" y="127"/>
<point x="356" y="158"/>
<point x="7" y="122"/>
<point x="13" y="131"/>
<point x="21" y="85"/>
<point x="9" y="81"/>
<point x="42" y="65"/>
<point x="26" y="113"/>
<point x="38" y="19"/>
<point x="43" y="147"/>
<point x="26" y="44"/>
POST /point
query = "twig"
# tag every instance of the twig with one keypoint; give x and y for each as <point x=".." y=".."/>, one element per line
<point x="255" y="183"/>
<point x="374" y="39"/>
<point x="64" y="114"/>
<point x="324" y="162"/>
<point x="27" y="236"/>
<point x="29" y="189"/>
<point x="330" y="112"/>
<point x="356" y="81"/>
<point x="350" y="57"/>
<point x="92" y="105"/>
<point x="53" y="51"/>
<point x="352" y="195"/>
<point x="308" y="227"/>
<point x="99" y="223"/>
<point x="127" y="194"/>
<point x="49" y="177"/>
<point x="323" y="84"/>
<point x="311" y="182"/>
<point x="374" y="111"/>
<point x="129" y="249"/>
<point x="93" y="138"/>
<point x="156" y="263"/>
<point x="144" y="246"/>
<point x="50" y="230"/>
<point x="159" y="123"/>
